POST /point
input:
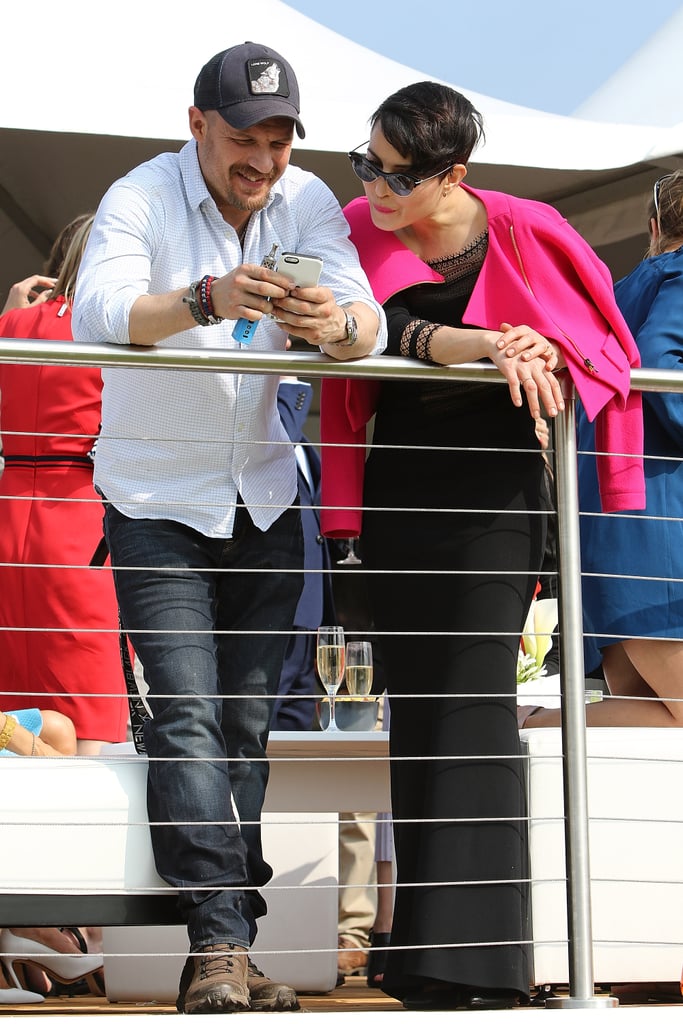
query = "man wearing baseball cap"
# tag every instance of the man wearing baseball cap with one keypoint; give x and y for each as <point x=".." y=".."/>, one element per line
<point x="199" y="480"/>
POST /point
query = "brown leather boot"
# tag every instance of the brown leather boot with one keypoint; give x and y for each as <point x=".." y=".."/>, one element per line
<point x="269" y="995"/>
<point x="215" y="979"/>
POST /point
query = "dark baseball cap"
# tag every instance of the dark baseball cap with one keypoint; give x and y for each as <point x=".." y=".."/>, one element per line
<point x="248" y="84"/>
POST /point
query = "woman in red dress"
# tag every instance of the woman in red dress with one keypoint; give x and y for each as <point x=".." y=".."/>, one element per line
<point x="58" y="617"/>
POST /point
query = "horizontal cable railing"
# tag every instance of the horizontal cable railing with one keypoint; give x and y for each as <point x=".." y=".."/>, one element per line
<point x="573" y="758"/>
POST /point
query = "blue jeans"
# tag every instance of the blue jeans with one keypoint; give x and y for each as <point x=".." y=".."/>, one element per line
<point x="201" y="627"/>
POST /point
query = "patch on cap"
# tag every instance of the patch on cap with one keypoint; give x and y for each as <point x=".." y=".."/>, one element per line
<point x="267" y="76"/>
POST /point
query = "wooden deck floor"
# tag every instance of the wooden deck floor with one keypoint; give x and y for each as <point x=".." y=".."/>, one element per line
<point x="352" y="997"/>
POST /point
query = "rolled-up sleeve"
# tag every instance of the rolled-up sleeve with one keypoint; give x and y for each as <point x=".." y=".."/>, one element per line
<point x="116" y="266"/>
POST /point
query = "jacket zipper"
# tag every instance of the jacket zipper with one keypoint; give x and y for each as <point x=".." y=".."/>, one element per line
<point x="590" y="366"/>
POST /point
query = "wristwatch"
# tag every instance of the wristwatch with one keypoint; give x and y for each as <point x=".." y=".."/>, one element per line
<point x="351" y="331"/>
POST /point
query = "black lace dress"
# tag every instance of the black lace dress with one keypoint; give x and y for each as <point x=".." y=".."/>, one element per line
<point x="454" y="532"/>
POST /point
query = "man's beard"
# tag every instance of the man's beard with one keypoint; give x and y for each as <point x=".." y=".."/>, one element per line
<point x="238" y="202"/>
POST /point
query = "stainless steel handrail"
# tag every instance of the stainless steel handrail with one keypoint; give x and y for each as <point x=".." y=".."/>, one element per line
<point x="313" y="364"/>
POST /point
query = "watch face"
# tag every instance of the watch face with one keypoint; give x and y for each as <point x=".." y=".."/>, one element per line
<point x="351" y="327"/>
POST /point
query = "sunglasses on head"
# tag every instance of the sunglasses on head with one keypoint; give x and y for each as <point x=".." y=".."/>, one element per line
<point x="400" y="183"/>
<point x="657" y="190"/>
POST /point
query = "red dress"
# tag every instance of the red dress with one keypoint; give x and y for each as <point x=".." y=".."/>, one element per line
<point x="58" y="626"/>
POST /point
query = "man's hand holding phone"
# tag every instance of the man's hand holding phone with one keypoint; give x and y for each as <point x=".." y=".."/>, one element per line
<point x="302" y="271"/>
<point x="287" y="293"/>
<point x="252" y="289"/>
<point x="308" y="311"/>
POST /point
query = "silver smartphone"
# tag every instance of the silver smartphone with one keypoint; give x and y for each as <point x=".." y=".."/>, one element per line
<point x="304" y="270"/>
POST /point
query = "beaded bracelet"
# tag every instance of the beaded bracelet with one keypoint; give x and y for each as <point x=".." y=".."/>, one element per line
<point x="204" y="296"/>
<point x="7" y="730"/>
<point x="205" y="301"/>
<point x="209" y="286"/>
<point x="199" y="301"/>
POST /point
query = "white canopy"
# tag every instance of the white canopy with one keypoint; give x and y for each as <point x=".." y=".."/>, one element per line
<point x="646" y="89"/>
<point x="85" y="96"/>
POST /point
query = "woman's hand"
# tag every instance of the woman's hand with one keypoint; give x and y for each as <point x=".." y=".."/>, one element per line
<point x="29" y="292"/>
<point x="522" y="356"/>
<point x="529" y="344"/>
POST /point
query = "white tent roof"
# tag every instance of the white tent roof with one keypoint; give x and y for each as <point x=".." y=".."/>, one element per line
<point x="84" y="97"/>
<point x="133" y="74"/>
<point x="646" y="89"/>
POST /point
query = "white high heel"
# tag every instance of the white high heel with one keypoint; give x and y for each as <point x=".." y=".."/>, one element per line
<point x="17" y="996"/>
<point x="17" y="953"/>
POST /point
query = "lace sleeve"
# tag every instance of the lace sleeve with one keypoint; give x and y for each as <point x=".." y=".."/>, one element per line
<point x="416" y="340"/>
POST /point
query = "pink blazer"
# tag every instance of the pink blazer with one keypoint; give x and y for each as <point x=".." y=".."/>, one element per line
<point x="537" y="271"/>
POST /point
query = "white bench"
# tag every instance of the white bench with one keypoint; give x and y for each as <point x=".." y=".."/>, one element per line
<point x="76" y="849"/>
<point x="635" y="782"/>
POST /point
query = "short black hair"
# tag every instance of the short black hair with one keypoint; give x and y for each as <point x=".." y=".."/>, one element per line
<point x="431" y="124"/>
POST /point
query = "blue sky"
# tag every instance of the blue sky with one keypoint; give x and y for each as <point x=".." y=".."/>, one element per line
<point x="548" y="54"/>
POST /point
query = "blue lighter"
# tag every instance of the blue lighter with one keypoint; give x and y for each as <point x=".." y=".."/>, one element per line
<point x="244" y="329"/>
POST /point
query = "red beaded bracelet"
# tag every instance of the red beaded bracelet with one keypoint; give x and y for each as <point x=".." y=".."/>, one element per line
<point x="205" y="302"/>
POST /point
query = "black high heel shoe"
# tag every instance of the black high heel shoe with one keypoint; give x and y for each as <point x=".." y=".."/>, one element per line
<point x="438" y="995"/>
<point x="444" y="996"/>
<point x="489" y="998"/>
<point x="377" y="957"/>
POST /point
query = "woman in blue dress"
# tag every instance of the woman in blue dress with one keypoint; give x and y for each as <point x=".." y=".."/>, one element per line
<point x="632" y="563"/>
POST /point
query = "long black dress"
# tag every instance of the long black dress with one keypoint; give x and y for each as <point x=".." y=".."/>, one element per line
<point x="454" y="520"/>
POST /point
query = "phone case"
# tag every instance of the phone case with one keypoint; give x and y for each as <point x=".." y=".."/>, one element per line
<point x="304" y="270"/>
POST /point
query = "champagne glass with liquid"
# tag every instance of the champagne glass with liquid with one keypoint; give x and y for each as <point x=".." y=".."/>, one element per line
<point x="330" y="658"/>
<point x="351" y="558"/>
<point x="359" y="667"/>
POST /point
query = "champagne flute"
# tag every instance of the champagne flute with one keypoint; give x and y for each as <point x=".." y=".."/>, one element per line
<point x="351" y="558"/>
<point x="330" y="657"/>
<point x="359" y="667"/>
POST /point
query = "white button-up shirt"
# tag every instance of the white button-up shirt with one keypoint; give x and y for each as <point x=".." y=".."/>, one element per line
<point x="177" y="444"/>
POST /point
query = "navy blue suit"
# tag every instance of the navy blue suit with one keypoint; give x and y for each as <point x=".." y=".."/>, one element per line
<point x="298" y="677"/>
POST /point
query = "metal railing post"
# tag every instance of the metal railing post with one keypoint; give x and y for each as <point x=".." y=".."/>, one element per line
<point x="574" y="765"/>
